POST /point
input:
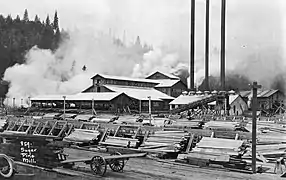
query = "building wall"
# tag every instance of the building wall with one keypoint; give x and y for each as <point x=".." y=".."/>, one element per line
<point x="178" y="88"/>
<point x="267" y="103"/>
<point x="97" y="89"/>
<point x="238" y="106"/>
<point x="101" y="81"/>
<point x="174" y="91"/>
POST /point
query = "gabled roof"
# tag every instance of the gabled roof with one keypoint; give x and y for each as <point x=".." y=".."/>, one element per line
<point x="232" y="98"/>
<point x="166" y="82"/>
<point x="169" y="75"/>
<point x="139" y="93"/>
<point x="125" y="78"/>
<point x="103" y="96"/>
<point x="185" y="99"/>
<point x="260" y="93"/>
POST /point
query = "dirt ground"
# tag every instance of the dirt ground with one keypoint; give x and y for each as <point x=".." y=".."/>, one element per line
<point x="146" y="168"/>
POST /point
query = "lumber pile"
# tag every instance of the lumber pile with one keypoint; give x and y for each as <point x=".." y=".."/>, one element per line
<point x="120" y="141"/>
<point x="184" y="123"/>
<point x="169" y="141"/>
<point x="82" y="136"/>
<point x="226" y="152"/>
<point x="222" y="125"/>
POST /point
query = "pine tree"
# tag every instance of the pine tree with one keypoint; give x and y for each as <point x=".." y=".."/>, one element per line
<point x="17" y="19"/>
<point x="48" y="21"/>
<point x="37" y="19"/>
<point x="26" y="16"/>
<point x="56" y="21"/>
<point x="138" y="42"/>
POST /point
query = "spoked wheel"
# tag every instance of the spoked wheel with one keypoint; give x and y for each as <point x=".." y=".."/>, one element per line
<point x="6" y="166"/>
<point x="98" y="165"/>
<point x="116" y="165"/>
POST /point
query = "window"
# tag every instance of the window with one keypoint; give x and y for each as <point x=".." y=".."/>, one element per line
<point x="156" y="104"/>
<point x="97" y="89"/>
<point x="98" y="81"/>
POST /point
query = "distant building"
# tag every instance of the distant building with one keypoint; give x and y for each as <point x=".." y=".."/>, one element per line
<point x="169" y="84"/>
<point x="268" y="100"/>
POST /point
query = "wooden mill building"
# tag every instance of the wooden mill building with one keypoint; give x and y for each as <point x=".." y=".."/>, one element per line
<point x="117" y="93"/>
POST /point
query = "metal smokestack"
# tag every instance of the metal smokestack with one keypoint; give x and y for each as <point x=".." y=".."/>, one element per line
<point x="207" y="46"/>
<point x="192" y="47"/>
<point x="222" y="55"/>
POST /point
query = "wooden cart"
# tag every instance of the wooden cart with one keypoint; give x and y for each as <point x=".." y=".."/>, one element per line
<point x="98" y="164"/>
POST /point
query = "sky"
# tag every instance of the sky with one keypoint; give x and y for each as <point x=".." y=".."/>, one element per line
<point x="255" y="38"/>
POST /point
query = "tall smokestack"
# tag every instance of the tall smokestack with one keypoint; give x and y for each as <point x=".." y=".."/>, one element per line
<point x="207" y="46"/>
<point x="222" y="55"/>
<point x="192" y="47"/>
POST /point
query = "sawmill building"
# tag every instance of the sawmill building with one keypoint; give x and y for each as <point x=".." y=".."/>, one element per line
<point x="117" y="93"/>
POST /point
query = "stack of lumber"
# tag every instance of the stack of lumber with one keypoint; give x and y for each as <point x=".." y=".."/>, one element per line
<point x="215" y="150"/>
<point x="219" y="146"/>
<point x="185" y="123"/>
<point x="270" y="152"/>
<point x="222" y="125"/>
<point x="82" y="136"/>
<point x="120" y="141"/>
<point x="271" y="138"/>
<point x="164" y="140"/>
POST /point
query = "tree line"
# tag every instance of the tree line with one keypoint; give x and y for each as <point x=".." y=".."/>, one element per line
<point x="20" y="34"/>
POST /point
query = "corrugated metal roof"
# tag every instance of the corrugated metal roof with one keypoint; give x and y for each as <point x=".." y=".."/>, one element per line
<point x="166" y="74"/>
<point x="126" y="78"/>
<point x="103" y="96"/>
<point x="267" y="93"/>
<point x="183" y="99"/>
<point x="260" y="93"/>
<point x="139" y="92"/>
<point x="166" y="82"/>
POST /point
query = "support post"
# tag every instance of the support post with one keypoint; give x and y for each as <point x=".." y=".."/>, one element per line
<point x="140" y="106"/>
<point x="150" y="113"/>
<point x="14" y="102"/>
<point x="255" y="86"/>
<point x="92" y="106"/>
<point x="64" y="107"/>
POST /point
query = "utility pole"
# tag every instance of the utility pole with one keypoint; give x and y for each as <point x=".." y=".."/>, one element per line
<point x="255" y="86"/>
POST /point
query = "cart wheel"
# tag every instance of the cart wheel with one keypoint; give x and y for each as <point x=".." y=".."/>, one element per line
<point x="116" y="165"/>
<point x="7" y="166"/>
<point x="98" y="165"/>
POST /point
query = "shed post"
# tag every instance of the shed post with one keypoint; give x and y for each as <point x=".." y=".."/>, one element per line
<point x="92" y="106"/>
<point x="64" y="107"/>
<point x="140" y="106"/>
<point x="150" y="113"/>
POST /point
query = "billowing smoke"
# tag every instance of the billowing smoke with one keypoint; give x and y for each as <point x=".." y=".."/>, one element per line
<point x="62" y="72"/>
<point x="161" y="59"/>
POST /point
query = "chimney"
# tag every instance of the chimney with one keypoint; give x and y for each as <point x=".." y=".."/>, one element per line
<point x="192" y="47"/>
<point x="222" y="55"/>
<point x="207" y="46"/>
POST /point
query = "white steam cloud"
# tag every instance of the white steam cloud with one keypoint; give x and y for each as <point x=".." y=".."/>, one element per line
<point x="255" y="43"/>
